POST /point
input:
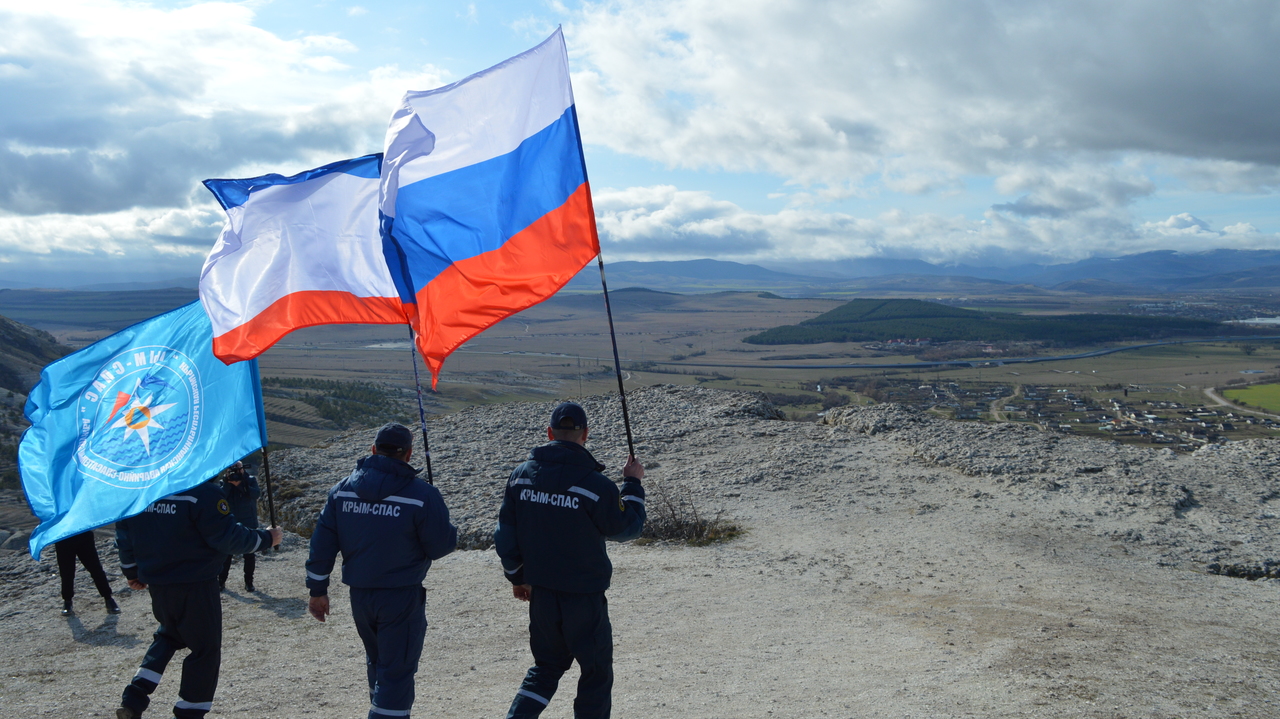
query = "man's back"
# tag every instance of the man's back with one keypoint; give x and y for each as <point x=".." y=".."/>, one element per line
<point x="388" y="524"/>
<point x="557" y="513"/>
<point x="184" y="537"/>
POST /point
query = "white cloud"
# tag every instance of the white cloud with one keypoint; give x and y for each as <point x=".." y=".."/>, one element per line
<point x="1240" y="228"/>
<point x="920" y="92"/>
<point x="116" y="105"/>
<point x="114" y="111"/>
<point x="662" y="222"/>
<point x="1074" y="110"/>
<point x="356" y="11"/>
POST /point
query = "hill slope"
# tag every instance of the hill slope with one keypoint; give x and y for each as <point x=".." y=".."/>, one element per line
<point x="879" y="320"/>
<point x="896" y="565"/>
<point x="24" y="351"/>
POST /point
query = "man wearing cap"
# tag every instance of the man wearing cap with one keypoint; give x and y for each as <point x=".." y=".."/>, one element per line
<point x="175" y="548"/>
<point x="556" y="515"/>
<point x="389" y="525"/>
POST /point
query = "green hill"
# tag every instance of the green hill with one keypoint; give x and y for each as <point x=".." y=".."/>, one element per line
<point x="882" y="320"/>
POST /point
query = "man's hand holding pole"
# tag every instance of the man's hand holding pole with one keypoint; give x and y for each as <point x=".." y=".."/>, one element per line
<point x="633" y="469"/>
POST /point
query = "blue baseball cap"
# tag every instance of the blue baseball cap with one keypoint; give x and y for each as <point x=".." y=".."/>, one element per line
<point x="394" y="435"/>
<point x="568" y="415"/>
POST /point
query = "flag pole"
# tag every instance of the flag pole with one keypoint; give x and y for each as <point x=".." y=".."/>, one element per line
<point x="422" y="413"/>
<point x="266" y="454"/>
<point x="266" y="475"/>
<point x="617" y="363"/>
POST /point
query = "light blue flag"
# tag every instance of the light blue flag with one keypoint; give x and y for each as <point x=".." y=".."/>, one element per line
<point x="140" y="415"/>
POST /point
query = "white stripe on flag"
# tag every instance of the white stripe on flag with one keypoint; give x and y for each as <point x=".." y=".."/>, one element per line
<point x="506" y="104"/>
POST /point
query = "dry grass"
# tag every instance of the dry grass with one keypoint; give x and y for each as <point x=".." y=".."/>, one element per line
<point x="674" y="516"/>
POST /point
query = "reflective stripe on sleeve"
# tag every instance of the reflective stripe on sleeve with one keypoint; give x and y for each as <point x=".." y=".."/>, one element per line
<point x="144" y="673"/>
<point x="317" y="577"/>
<point x="531" y="695"/>
<point x="523" y="480"/>
<point x="256" y="545"/>
<point x="393" y="498"/>
<point x="586" y="493"/>
<point x="403" y="500"/>
<point x="633" y="498"/>
<point x="180" y="498"/>
<point x="513" y="571"/>
<point x="128" y="566"/>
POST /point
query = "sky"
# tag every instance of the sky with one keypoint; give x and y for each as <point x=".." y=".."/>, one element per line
<point x="985" y="132"/>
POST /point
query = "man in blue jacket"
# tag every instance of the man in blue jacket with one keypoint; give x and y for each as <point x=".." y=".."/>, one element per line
<point x="241" y="491"/>
<point x="175" y="548"/>
<point x="389" y="525"/>
<point x="556" y="515"/>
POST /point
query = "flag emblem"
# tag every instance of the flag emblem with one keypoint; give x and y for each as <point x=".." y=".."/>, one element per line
<point x="140" y="416"/>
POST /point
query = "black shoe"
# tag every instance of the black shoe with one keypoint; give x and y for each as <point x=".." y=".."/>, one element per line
<point x="248" y="586"/>
<point x="127" y="713"/>
<point x="112" y="607"/>
<point x="66" y="608"/>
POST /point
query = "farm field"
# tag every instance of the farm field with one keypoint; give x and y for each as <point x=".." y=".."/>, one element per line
<point x="1266" y="396"/>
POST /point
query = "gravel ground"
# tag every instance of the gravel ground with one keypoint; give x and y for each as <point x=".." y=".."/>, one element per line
<point x="895" y="565"/>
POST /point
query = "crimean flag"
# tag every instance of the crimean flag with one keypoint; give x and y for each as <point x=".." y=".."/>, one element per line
<point x="297" y="252"/>
<point x="485" y="202"/>
<point x="140" y="415"/>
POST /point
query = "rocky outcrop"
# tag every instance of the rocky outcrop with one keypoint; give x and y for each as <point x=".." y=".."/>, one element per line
<point x="474" y="451"/>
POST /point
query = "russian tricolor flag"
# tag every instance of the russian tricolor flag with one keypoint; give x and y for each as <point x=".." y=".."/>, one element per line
<point x="485" y="202"/>
<point x="297" y="252"/>
<point x="480" y="209"/>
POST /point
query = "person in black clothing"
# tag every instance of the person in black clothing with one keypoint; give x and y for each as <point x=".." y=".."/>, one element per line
<point x="389" y="526"/>
<point x="175" y="548"/>
<point x="241" y="490"/>
<point x="82" y="547"/>
<point x="557" y="512"/>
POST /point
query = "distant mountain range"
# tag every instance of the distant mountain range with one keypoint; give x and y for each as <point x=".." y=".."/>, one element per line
<point x="1160" y="271"/>
<point x="1157" y="268"/>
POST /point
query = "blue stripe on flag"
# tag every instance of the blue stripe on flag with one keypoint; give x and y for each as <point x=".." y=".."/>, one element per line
<point x="234" y="193"/>
<point x="467" y="212"/>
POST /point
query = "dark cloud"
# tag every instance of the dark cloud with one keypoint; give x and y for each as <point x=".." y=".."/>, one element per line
<point x="139" y="161"/>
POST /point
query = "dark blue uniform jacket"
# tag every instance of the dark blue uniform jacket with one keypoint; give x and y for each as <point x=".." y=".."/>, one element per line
<point x="184" y="537"/>
<point x="244" y="500"/>
<point x="388" y="524"/>
<point x="556" y="515"/>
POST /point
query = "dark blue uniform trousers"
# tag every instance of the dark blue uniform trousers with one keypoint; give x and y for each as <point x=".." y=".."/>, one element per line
<point x="563" y="627"/>
<point x="190" y="617"/>
<point x="392" y="623"/>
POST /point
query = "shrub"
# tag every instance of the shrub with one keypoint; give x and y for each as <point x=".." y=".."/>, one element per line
<point x="674" y="516"/>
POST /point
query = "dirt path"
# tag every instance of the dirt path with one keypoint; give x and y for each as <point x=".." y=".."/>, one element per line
<point x="873" y="582"/>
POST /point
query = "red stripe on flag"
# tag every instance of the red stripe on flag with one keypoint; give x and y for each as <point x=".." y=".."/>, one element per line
<point x="477" y="293"/>
<point x="305" y="309"/>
